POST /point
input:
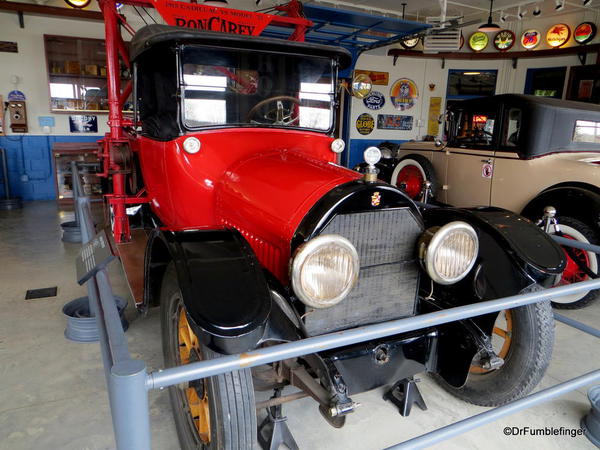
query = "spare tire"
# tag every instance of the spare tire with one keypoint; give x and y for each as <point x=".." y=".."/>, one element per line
<point x="410" y="174"/>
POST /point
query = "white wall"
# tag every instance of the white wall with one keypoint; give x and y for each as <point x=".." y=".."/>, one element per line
<point x="29" y="64"/>
<point x="425" y="71"/>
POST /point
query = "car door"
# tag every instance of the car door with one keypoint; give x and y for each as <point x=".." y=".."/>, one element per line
<point x="470" y="156"/>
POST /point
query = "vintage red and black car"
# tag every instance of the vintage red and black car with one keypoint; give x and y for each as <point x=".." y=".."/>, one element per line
<point x="258" y="236"/>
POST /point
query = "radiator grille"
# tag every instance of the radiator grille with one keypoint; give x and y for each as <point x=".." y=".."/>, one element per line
<point x="387" y="285"/>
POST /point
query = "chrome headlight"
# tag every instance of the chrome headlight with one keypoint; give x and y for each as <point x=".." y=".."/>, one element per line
<point x="448" y="253"/>
<point x="324" y="270"/>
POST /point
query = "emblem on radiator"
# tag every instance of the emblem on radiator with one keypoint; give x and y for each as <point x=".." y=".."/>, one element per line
<point x="375" y="199"/>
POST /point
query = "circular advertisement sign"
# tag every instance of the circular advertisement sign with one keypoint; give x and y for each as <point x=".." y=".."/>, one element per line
<point x="478" y="41"/>
<point x="558" y="35"/>
<point x="365" y="123"/>
<point x="584" y="32"/>
<point x="410" y="43"/>
<point x="504" y="40"/>
<point x="404" y="94"/>
<point x="375" y="100"/>
<point x="530" y="39"/>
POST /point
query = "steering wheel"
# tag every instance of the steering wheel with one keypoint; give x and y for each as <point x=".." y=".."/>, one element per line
<point x="278" y="115"/>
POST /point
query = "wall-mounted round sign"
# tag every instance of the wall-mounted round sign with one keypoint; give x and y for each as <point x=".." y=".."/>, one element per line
<point x="478" y="41"/>
<point x="504" y="40"/>
<point x="530" y="39"/>
<point x="410" y="43"/>
<point x="584" y="32"/>
<point x="404" y="94"/>
<point x="365" y="123"/>
<point x="558" y="35"/>
<point x="375" y="100"/>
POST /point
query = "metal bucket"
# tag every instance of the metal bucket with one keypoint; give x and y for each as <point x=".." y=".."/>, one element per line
<point x="591" y="422"/>
<point x="81" y="325"/>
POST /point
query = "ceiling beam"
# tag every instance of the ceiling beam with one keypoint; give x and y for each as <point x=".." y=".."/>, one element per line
<point x="32" y="8"/>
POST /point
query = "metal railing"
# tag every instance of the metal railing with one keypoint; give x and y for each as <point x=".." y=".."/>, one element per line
<point x="128" y="381"/>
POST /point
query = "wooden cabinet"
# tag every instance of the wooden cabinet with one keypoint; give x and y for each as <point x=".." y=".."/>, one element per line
<point x="77" y="74"/>
<point x="86" y="154"/>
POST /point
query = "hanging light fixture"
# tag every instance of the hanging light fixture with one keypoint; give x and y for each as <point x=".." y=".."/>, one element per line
<point x="489" y="26"/>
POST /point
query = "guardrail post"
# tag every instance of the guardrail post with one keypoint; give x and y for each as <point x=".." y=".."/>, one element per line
<point x="129" y="405"/>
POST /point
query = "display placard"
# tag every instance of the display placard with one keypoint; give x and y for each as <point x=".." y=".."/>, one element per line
<point x="83" y="124"/>
<point x="94" y="256"/>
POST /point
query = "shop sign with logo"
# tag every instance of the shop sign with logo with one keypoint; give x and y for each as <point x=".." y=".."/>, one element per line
<point x="375" y="100"/>
<point x="504" y="40"/>
<point x="83" y="124"/>
<point x="404" y="94"/>
<point x="478" y="41"/>
<point x="209" y="18"/>
<point x="410" y="43"/>
<point x="365" y="123"/>
<point x="558" y="35"/>
<point x="584" y="32"/>
<point x="394" y="122"/>
<point x="530" y="39"/>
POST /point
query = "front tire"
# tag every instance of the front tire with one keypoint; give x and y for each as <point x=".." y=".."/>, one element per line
<point x="531" y="336"/>
<point x="579" y="231"/>
<point x="214" y="413"/>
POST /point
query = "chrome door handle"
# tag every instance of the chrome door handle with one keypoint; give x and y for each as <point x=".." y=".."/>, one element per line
<point x="487" y="161"/>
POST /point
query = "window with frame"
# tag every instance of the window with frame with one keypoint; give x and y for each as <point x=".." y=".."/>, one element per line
<point x="512" y="128"/>
<point x="586" y="131"/>
<point x="474" y="128"/>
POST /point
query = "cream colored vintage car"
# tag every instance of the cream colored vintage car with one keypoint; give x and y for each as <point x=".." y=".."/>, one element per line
<point x="521" y="153"/>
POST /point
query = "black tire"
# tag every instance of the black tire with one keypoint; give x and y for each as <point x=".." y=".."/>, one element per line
<point x="524" y="366"/>
<point x="423" y="165"/>
<point x="230" y="396"/>
<point x="580" y="231"/>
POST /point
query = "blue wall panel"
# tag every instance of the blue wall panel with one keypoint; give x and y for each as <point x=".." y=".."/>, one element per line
<point x="30" y="166"/>
<point x="358" y="146"/>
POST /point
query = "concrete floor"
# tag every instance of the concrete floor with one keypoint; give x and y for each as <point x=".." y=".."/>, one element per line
<point x="53" y="396"/>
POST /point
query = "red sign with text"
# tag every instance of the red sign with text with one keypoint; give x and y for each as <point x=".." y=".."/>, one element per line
<point x="210" y="18"/>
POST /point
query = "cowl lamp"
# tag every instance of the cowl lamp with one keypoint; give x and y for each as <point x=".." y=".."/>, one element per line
<point x="489" y="26"/>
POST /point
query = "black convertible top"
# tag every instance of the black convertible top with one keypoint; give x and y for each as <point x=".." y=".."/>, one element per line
<point x="548" y="124"/>
<point x="154" y="35"/>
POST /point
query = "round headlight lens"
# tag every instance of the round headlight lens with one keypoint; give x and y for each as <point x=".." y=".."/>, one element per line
<point x="324" y="270"/>
<point x="449" y="253"/>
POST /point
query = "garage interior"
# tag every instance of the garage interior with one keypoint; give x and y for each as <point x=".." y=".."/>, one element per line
<point x="54" y="392"/>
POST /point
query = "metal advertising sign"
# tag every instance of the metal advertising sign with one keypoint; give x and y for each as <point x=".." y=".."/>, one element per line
<point x="558" y="35"/>
<point x="404" y="94"/>
<point x="584" y="32"/>
<point x="83" y="124"/>
<point x="225" y="20"/>
<point x="365" y="123"/>
<point x="394" y="122"/>
<point x="504" y="40"/>
<point x="379" y="78"/>
<point x="375" y="100"/>
<point x="478" y="41"/>
<point x="530" y="39"/>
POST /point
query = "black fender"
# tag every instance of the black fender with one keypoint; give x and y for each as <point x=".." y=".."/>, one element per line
<point x="224" y="289"/>
<point x="514" y="256"/>
<point x="579" y="202"/>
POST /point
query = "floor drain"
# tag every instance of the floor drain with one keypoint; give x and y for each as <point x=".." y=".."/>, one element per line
<point x="41" y="293"/>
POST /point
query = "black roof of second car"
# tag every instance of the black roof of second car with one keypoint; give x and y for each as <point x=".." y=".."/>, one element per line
<point x="154" y="35"/>
<point x="528" y="101"/>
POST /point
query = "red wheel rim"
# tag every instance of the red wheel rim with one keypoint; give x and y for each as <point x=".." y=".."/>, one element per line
<point x="410" y="179"/>
<point x="572" y="272"/>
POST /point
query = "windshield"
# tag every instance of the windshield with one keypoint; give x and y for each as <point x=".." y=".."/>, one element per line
<point x="223" y="87"/>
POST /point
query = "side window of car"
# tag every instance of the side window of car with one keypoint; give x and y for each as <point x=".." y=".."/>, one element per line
<point x="474" y="128"/>
<point x="512" y="128"/>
